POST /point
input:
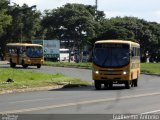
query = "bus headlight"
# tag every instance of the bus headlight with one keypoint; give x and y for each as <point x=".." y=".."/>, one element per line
<point x="28" y="60"/>
<point x="124" y="72"/>
<point x="95" y="71"/>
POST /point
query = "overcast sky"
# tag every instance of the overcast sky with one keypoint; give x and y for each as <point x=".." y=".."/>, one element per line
<point x="144" y="9"/>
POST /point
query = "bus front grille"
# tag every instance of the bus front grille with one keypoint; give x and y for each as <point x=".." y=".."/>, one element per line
<point x="111" y="72"/>
<point x="105" y="78"/>
<point x="35" y="60"/>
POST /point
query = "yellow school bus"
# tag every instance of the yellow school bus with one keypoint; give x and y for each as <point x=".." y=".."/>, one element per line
<point x="116" y="62"/>
<point x="24" y="54"/>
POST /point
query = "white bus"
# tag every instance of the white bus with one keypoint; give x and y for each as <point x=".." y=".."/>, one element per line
<point x="64" y="54"/>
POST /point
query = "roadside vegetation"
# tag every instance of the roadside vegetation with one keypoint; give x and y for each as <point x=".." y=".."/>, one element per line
<point x="150" y="68"/>
<point x="80" y="27"/>
<point x="146" y="68"/>
<point x="69" y="64"/>
<point x="29" y="79"/>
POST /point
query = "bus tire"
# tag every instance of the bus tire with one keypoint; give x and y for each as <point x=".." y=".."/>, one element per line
<point x="106" y="85"/>
<point x="97" y="85"/>
<point x="135" y="82"/>
<point x="24" y="65"/>
<point x="12" y="65"/>
<point x="39" y="66"/>
<point x="128" y="84"/>
<point x="110" y="85"/>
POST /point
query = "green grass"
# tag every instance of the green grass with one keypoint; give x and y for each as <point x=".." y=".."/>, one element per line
<point x="29" y="79"/>
<point x="69" y="64"/>
<point x="150" y="68"/>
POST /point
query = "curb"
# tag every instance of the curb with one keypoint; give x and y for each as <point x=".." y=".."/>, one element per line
<point x="30" y="89"/>
<point x="3" y="62"/>
<point x="150" y="74"/>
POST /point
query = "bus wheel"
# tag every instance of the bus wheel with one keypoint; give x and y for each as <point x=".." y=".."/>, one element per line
<point x="24" y="65"/>
<point x="110" y="85"/>
<point x="106" y="85"/>
<point x="13" y="65"/>
<point x="97" y="85"/>
<point x="135" y="82"/>
<point x="128" y="84"/>
<point x="39" y="66"/>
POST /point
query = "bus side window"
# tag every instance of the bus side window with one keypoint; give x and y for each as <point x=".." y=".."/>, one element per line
<point x="20" y="50"/>
<point x="132" y="53"/>
<point x="135" y="52"/>
<point x="12" y="51"/>
<point x="9" y="50"/>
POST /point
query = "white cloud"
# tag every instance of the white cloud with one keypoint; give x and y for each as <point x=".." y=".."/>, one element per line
<point x="50" y="4"/>
<point x="110" y="14"/>
<point x="149" y="16"/>
<point x="143" y="9"/>
<point x="157" y="13"/>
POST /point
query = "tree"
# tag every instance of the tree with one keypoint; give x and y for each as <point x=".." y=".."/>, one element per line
<point x="25" y="25"/>
<point x="5" y="19"/>
<point x="131" y="28"/>
<point x="74" y="24"/>
<point x="117" y="33"/>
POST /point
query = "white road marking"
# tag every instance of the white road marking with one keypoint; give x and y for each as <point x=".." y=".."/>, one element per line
<point x="151" y="112"/>
<point x="77" y="103"/>
<point x="43" y="99"/>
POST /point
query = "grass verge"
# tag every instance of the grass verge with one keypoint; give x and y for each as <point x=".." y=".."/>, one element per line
<point x="150" y="68"/>
<point x="69" y="64"/>
<point x="29" y="79"/>
<point x="146" y="68"/>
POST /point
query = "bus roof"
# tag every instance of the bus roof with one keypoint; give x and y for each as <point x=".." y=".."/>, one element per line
<point x="64" y="49"/>
<point x="117" y="41"/>
<point x="23" y="44"/>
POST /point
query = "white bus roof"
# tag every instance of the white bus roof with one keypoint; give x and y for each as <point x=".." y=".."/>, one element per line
<point x="63" y="49"/>
<point x="23" y="44"/>
<point x="117" y="41"/>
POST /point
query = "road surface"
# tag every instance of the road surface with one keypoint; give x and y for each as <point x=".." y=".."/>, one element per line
<point x="85" y="100"/>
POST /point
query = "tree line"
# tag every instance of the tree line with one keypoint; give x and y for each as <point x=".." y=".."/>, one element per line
<point x="76" y="25"/>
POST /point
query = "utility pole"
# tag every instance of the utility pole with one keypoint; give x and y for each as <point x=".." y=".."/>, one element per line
<point x="96" y="5"/>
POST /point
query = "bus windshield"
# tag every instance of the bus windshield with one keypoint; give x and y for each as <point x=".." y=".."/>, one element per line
<point x="32" y="51"/>
<point x="111" y="55"/>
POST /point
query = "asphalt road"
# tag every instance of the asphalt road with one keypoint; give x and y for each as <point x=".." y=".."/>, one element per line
<point x="85" y="100"/>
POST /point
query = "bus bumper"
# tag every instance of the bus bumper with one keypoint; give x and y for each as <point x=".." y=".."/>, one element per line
<point x="34" y="61"/>
<point x="115" y="78"/>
